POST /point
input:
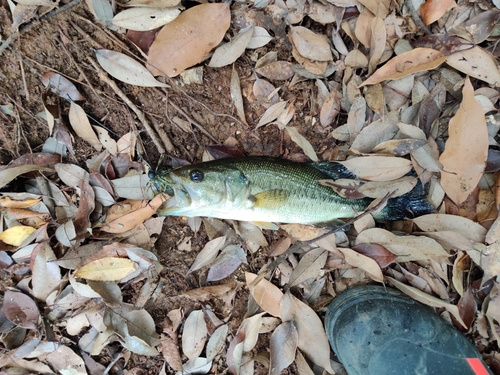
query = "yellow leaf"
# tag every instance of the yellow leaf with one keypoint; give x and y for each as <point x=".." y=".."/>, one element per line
<point x="16" y="235"/>
<point x="466" y="150"/>
<point x="417" y="60"/>
<point x="107" y="269"/>
<point x="6" y="202"/>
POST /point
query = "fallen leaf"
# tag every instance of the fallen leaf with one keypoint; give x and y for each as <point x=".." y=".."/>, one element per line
<point x="271" y="113"/>
<point x="208" y="253"/>
<point x="236" y="95"/>
<point x="107" y="269"/>
<point x="433" y="10"/>
<point x="477" y="63"/>
<point x="417" y="60"/>
<point x="20" y="309"/>
<point x="229" y="52"/>
<point x="466" y="150"/>
<point x="312" y="337"/>
<point x="442" y="222"/>
<point x="283" y="345"/>
<point x="267" y="295"/>
<point x="145" y="19"/>
<point x="377" y="42"/>
<point x="126" y="69"/>
<point x="226" y="263"/>
<point x="302" y="142"/>
<point x="276" y="70"/>
<point x="378" y="253"/>
<point x="61" y="86"/>
<point x="366" y="263"/>
<point x="9" y="174"/>
<point x="260" y="38"/>
<point x="427" y="299"/>
<point x="407" y="247"/>
<point x="378" y="168"/>
<point x="309" y="266"/>
<point x="187" y="40"/>
<point x="310" y="45"/>
<point x="46" y="273"/>
<point x="15" y="236"/>
<point x="194" y="335"/>
<point x="81" y="125"/>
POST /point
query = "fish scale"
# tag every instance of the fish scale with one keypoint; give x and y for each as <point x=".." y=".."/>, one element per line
<point x="264" y="189"/>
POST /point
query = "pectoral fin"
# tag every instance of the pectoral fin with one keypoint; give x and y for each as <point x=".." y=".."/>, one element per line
<point x="270" y="199"/>
<point x="265" y="225"/>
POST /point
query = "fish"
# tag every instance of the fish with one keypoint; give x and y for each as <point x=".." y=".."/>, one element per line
<point x="272" y="190"/>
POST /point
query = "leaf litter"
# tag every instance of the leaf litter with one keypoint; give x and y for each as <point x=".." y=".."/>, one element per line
<point x="356" y="91"/>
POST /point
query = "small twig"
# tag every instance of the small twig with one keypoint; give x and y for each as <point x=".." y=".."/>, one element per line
<point x="140" y="115"/>
<point x="23" y="75"/>
<point x="46" y="16"/>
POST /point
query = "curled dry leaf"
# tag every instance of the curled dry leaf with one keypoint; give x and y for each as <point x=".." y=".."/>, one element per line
<point x="427" y="299"/>
<point x="126" y="69"/>
<point x="266" y="295"/>
<point x="188" y="39"/>
<point x="417" y="60"/>
<point x="229" y="52"/>
<point x="302" y="142"/>
<point x="433" y="10"/>
<point x="364" y="262"/>
<point x="260" y="38"/>
<point x="466" y="150"/>
<point x="378" y="168"/>
<point x="107" y="269"/>
<point x="236" y="95"/>
<point x="145" y="19"/>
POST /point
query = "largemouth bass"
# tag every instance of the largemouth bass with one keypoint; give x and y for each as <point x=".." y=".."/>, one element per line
<point x="263" y="189"/>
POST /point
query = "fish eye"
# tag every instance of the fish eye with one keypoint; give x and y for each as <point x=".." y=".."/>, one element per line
<point x="196" y="175"/>
<point x="151" y="174"/>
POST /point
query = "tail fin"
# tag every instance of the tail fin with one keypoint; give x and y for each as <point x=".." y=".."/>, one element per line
<point x="407" y="206"/>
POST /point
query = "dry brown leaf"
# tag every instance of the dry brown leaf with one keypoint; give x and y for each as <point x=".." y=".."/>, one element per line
<point x="229" y="52"/>
<point x="466" y="150"/>
<point x="376" y="189"/>
<point x="407" y="248"/>
<point x="46" y="273"/>
<point x="363" y="30"/>
<point x="236" y="95"/>
<point x="145" y="18"/>
<point x="186" y="40"/>
<point x="276" y="70"/>
<point x="309" y="45"/>
<point x="302" y="142"/>
<point x="309" y="266"/>
<point x="364" y="262"/>
<point x="265" y="294"/>
<point x="477" y="63"/>
<point x="433" y="10"/>
<point x="427" y="299"/>
<point x="417" y="60"/>
<point x="442" y="222"/>
<point x="81" y="125"/>
<point x="378" y="253"/>
<point x="282" y="347"/>
<point x="61" y="86"/>
<point x="377" y="43"/>
<point x="330" y="108"/>
<point x="378" y="168"/>
<point x="20" y="309"/>
<point x="194" y="335"/>
<point x="312" y="337"/>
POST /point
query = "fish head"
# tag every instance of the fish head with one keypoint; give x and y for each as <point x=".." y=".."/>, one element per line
<point x="204" y="190"/>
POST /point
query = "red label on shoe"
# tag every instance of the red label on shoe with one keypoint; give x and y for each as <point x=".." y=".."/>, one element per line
<point x="477" y="366"/>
